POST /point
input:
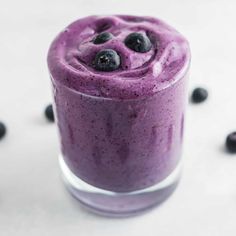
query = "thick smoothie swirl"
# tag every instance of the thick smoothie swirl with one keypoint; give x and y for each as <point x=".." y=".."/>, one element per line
<point x="140" y="74"/>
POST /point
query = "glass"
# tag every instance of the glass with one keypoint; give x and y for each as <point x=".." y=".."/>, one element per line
<point x="121" y="157"/>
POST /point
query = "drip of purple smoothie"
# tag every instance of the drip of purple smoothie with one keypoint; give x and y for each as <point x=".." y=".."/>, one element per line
<point x="120" y="130"/>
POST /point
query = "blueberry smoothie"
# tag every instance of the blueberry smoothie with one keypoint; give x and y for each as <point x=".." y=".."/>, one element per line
<point x="119" y="86"/>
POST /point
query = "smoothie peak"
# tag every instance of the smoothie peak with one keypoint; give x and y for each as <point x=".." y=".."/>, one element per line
<point x="149" y="56"/>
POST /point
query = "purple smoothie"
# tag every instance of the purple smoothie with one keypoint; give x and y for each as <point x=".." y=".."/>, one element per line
<point x="121" y="130"/>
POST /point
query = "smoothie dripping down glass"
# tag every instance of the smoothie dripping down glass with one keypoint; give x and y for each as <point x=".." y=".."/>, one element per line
<point x="119" y="86"/>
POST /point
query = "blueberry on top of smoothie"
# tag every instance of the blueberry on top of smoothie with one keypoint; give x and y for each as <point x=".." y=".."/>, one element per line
<point x="138" y="42"/>
<point x="107" y="60"/>
<point x="102" y="38"/>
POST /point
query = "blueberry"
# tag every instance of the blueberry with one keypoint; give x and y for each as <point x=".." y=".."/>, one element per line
<point x="3" y="130"/>
<point x="49" y="113"/>
<point x="138" y="42"/>
<point x="107" y="60"/>
<point x="102" y="38"/>
<point x="199" y="95"/>
<point x="231" y="142"/>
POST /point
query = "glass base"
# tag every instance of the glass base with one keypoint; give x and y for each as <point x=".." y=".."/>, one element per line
<point x="115" y="204"/>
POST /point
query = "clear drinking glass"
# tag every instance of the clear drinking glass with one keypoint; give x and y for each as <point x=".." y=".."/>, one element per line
<point x="120" y="156"/>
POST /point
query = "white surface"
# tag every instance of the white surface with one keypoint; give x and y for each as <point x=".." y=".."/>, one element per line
<point x="32" y="198"/>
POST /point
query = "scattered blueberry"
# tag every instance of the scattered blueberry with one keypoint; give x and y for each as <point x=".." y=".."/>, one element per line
<point x="3" y="130"/>
<point x="231" y="142"/>
<point x="107" y="60"/>
<point x="199" y="95"/>
<point x="49" y="113"/>
<point x="102" y="38"/>
<point x="138" y="42"/>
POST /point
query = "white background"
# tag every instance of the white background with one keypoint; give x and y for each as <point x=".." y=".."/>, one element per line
<point x="32" y="198"/>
